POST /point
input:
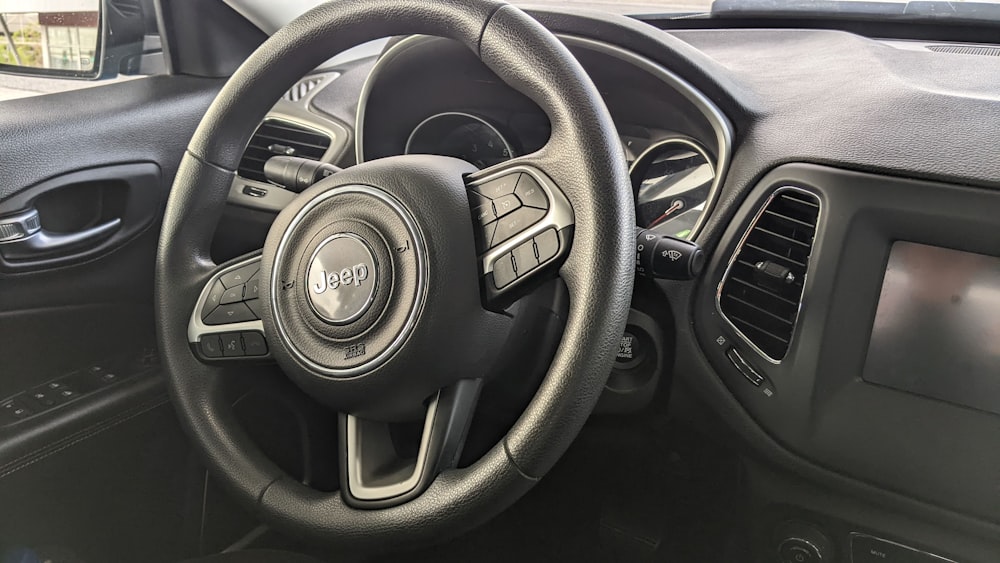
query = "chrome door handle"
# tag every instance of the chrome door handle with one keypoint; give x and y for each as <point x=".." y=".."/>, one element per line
<point x="22" y="236"/>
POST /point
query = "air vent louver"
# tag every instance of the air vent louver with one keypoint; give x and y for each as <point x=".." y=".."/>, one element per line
<point x="279" y="137"/>
<point x="966" y="50"/>
<point x="762" y="290"/>
<point x="302" y="88"/>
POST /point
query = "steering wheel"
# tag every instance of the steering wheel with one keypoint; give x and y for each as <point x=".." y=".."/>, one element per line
<point x="383" y="290"/>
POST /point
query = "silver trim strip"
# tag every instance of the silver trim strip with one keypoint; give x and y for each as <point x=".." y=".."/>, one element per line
<point x="354" y="459"/>
<point x="739" y="248"/>
<point x="420" y="249"/>
<point x="906" y="547"/>
<point x="720" y="124"/>
<point x="712" y="190"/>
<point x="559" y="215"/>
<point x="198" y="329"/>
<point x="506" y="143"/>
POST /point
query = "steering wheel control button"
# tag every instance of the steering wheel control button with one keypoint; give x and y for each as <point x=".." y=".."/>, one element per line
<point x="342" y="277"/>
<point x="240" y="275"/>
<point x="530" y="193"/>
<point x="232" y="345"/>
<point x="484" y="235"/>
<point x="504" y="272"/>
<point x="233" y="295"/>
<point x="485" y="214"/>
<point x="211" y="346"/>
<point x="253" y="288"/>
<point x="515" y="223"/>
<point x="254" y="344"/>
<point x="213" y="299"/>
<point x="495" y="189"/>
<point x="505" y="205"/>
<point x="546" y="245"/>
<point x="795" y="550"/>
<point x="231" y="313"/>
<point x="524" y="258"/>
<point x="254" y="305"/>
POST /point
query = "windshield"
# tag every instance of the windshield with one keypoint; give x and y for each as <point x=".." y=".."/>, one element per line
<point x="270" y="15"/>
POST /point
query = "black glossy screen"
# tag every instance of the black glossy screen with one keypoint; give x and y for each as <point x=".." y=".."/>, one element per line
<point x="937" y="327"/>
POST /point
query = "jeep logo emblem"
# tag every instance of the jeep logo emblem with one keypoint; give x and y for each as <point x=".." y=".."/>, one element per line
<point x="341" y="279"/>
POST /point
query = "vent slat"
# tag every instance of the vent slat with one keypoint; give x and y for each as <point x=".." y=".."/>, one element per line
<point x="765" y="309"/>
<point x="306" y="143"/>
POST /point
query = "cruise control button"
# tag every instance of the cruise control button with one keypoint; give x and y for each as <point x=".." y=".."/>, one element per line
<point x="232" y="344"/>
<point x="253" y="288"/>
<point x="211" y="346"/>
<point x="530" y="193"/>
<point x="214" y="298"/>
<point x="502" y="186"/>
<point x="524" y="258"/>
<point x="503" y="271"/>
<point x="505" y="205"/>
<point x="484" y="234"/>
<point x="232" y="313"/>
<point x="484" y="214"/>
<point x="232" y="295"/>
<point x="547" y="245"/>
<point x="254" y="305"/>
<point x="516" y="222"/>
<point x="240" y="275"/>
<point x="254" y="344"/>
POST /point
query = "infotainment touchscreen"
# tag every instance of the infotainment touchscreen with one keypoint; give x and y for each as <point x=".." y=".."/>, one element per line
<point x="937" y="326"/>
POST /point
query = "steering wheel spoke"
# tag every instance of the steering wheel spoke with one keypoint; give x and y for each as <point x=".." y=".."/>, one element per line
<point x="388" y="463"/>
<point x="226" y="322"/>
<point x="523" y="225"/>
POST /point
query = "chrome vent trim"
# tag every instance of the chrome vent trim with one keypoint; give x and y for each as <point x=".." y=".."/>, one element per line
<point x="783" y="231"/>
<point x="303" y="88"/>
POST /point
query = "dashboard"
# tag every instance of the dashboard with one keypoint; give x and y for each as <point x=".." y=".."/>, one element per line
<point x="844" y="189"/>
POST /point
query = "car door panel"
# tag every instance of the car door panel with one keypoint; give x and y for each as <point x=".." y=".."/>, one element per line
<point x="103" y="473"/>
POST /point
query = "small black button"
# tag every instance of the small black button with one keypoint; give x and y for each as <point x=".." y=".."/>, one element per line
<point x="213" y="299"/>
<point x="53" y="385"/>
<point x="43" y="398"/>
<point x="503" y="271"/>
<point x="524" y="258"/>
<point x="232" y="313"/>
<point x="530" y="193"/>
<point x="15" y="409"/>
<point x="233" y="295"/>
<point x="109" y="377"/>
<point x="484" y="214"/>
<point x="500" y="187"/>
<point x="505" y="205"/>
<point x="484" y="235"/>
<point x="255" y="305"/>
<point x="67" y="394"/>
<point x="211" y="346"/>
<point x="240" y="275"/>
<point x="516" y="222"/>
<point x="253" y="288"/>
<point x="232" y="344"/>
<point x="254" y="344"/>
<point x="547" y="245"/>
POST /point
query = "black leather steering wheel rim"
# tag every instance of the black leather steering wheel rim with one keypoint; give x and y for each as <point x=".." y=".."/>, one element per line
<point x="584" y="151"/>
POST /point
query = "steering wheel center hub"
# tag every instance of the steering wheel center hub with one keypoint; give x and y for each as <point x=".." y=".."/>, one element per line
<point x="347" y="280"/>
<point x="342" y="278"/>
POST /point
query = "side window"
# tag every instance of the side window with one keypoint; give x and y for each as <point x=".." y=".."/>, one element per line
<point x="56" y="45"/>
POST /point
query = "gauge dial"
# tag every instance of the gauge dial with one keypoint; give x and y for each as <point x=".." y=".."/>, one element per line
<point x="460" y="135"/>
<point x="672" y="181"/>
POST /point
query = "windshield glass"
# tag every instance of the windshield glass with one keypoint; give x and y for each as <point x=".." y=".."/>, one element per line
<point x="270" y="15"/>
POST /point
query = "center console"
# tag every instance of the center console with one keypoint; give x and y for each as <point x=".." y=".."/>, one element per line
<point x="856" y="319"/>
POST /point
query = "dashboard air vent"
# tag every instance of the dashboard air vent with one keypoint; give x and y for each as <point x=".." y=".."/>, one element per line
<point x="966" y="50"/>
<point x="280" y="137"/>
<point x="762" y="290"/>
<point x="303" y="87"/>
